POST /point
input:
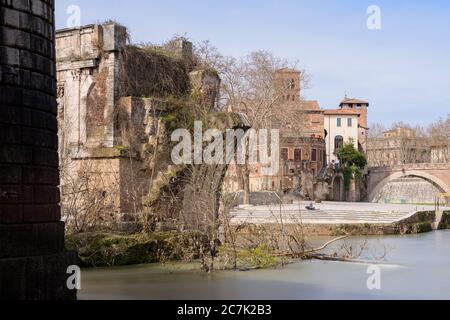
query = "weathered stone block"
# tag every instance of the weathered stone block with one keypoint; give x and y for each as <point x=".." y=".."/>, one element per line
<point x="10" y="174"/>
<point x="10" y="214"/>
<point x="45" y="194"/>
<point x="39" y="138"/>
<point x="43" y="82"/>
<point x="9" y="56"/>
<point x="41" y="214"/>
<point x="15" y="154"/>
<point x="11" y="18"/>
<point x="39" y="119"/>
<point x="41" y="9"/>
<point x="43" y="176"/>
<point x="21" y="240"/>
<point x="15" y="76"/>
<point x="33" y="278"/>
<point x="39" y="100"/>
<point x="44" y="157"/>
<point x="41" y="46"/>
<point x="16" y="194"/>
<point x="15" y="38"/>
<point x="113" y="37"/>
<point x="17" y="4"/>
<point x="10" y="134"/>
<point x="10" y="95"/>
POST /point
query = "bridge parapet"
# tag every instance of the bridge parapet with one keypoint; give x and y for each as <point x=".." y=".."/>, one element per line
<point x="412" y="166"/>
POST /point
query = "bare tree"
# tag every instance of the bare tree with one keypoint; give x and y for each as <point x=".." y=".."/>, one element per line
<point x="249" y="86"/>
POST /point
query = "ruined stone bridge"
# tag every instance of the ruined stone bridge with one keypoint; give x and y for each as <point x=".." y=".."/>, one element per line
<point x="437" y="175"/>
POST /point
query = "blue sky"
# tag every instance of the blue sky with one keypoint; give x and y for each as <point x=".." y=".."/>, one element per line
<point x="402" y="69"/>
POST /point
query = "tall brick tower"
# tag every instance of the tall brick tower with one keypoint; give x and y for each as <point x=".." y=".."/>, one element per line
<point x="33" y="263"/>
<point x="287" y="82"/>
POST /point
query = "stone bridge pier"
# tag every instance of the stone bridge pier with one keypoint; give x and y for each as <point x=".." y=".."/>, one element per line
<point x="33" y="263"/>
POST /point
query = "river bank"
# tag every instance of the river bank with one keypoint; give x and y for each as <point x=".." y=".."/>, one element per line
<point x="118" y="249"/>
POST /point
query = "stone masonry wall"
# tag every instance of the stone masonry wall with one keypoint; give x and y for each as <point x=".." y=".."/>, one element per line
<point x="32" y="262"/>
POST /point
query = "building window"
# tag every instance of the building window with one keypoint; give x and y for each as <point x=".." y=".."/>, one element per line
<point x="314" y="155"/>
<point x="298" y="155"/>
<point x="284" y="154"/>
<point x="338" y="143"/>
<point x="339" y="122"/>
<point x="291" y="84"/>
<point x="320" y="156"/>
<point x="350" y="122"/>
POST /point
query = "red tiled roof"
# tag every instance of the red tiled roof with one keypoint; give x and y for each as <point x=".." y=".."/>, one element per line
<point x="354" y="101"/>
<point x="309" y="105"/>
<point x="346" y="112"/>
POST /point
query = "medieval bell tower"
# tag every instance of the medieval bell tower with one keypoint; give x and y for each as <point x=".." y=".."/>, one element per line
<point x="288" y="84"/>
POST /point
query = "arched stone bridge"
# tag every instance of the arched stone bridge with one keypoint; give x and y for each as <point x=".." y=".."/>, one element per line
<point x="437" y="174"/>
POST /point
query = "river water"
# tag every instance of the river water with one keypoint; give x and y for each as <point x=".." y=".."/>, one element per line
<point x="416" y="267"/>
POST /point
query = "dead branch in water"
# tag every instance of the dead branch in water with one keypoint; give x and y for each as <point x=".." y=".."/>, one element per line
<point x="309" y="252"/>
<point x="326" y="245"/>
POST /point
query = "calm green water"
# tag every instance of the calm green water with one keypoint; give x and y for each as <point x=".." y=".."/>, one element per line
<point x="416" y="267"/>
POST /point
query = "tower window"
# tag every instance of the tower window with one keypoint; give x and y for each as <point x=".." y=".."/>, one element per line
<point x="291" y="84"/>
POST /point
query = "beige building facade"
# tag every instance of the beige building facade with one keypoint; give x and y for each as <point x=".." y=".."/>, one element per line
<point x="342" y="127"/>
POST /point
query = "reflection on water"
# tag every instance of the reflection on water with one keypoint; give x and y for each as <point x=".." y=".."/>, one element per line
<point x="417" y="267"/>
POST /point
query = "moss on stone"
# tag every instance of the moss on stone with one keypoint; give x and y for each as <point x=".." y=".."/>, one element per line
<point x="107" y="249"/>
<point x="422" y="227"/>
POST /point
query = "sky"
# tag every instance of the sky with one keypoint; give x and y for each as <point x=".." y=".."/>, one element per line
<point x="402" y="69"/>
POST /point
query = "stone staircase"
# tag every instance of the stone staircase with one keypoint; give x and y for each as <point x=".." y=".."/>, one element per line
<point x="263" y="214"/>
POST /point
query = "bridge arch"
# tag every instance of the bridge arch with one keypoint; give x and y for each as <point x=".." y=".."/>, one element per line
<point x="408" y="173"/>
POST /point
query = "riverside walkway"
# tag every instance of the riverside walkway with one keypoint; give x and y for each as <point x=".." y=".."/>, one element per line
<point x="328" y="213"/>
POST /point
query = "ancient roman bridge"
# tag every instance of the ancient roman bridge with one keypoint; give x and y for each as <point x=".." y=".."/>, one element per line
<point x="436" y="174"/>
